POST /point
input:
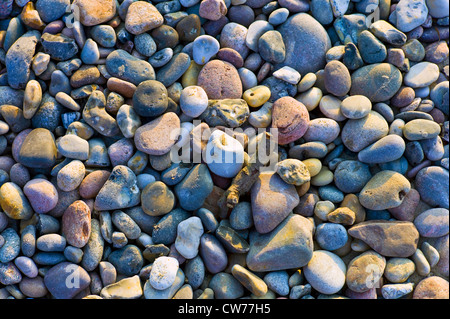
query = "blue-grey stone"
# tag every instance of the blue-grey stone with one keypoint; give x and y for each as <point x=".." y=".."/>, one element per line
<point x="331" y="236"/>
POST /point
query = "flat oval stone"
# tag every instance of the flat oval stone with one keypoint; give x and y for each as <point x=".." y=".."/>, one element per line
<point x="225" y="286"/>
<point x="249" y="280"/>
<point x="422" y="74"/>
<point x="379" y="82"/>
<point x="433" y="222"/>
<point x="421" y="129"/>
<point x="92" y="183"/>
<point x="293" y="237"/>
<point x="127" y="260"/>
<point x="325" y="272"/>
<point x="386" y="149"/>
<point x="18" y="59"/>
<point x="73" y="146"/>
<point x="76" y="224"/>
<point x="322" y="130"/>
<point x="304" y="36"/>
<point x="388" y="238"/>
<point x="127" y="288"/>
<point x="158" y="136"/>
<point x="11" y="247"/>
<point x="337" y="78"/>
<point x="174" y="69"/>
<point x="398" y="270"/>
<point x="386" y="189"/>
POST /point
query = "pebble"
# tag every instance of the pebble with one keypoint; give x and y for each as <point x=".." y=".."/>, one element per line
<point x="398" y="270"/>
<point x="193" y="101"/>
<point x="432" y="223"/>
<point x="156" y="137"/>
<point x="422" y="74"/>
<point x="432" y="287"/>
<point x="163" y="273"/>
<point x="142" y="17"/>
<point x="57" y="277"/>
<point x="399" y="238"/>
<point x="365" y="271"/>
<point x="384" y="75"/>
<point x="188" y="237"/>
<point x="360" y="133"/>
<point x="356" y="107"/>
<point x="224" y="155"/>
<point x="395" y="291"/>
<point x="267" y="215"/>
<point x="220" y="80"/>
<point x="204" y="48"/>
<point x="127" y="288"/>
<point x="267" y="250"/>
<point x="304" y="36"/>
<point x="225" y="286"/>
<point x="284" y="110"/>
<point x="327" y="282"/>
<point x="331" y="236"/>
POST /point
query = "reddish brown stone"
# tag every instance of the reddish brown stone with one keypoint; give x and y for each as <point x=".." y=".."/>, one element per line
<point x="122" y="87"/>
<point x="291" y="118"/>
<point x="220" y="80"/>
<point x="432" y="288"/>
<point x="92" y="183"/>
<point x="212" y="9"/>
<point x="232" y="56"/>
<point x="76" y="224"/>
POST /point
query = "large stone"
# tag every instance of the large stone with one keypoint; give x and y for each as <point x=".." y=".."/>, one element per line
<point x="306" y="43"/>
<point x="289" y="245"/>
<point x="388" y="238"/>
